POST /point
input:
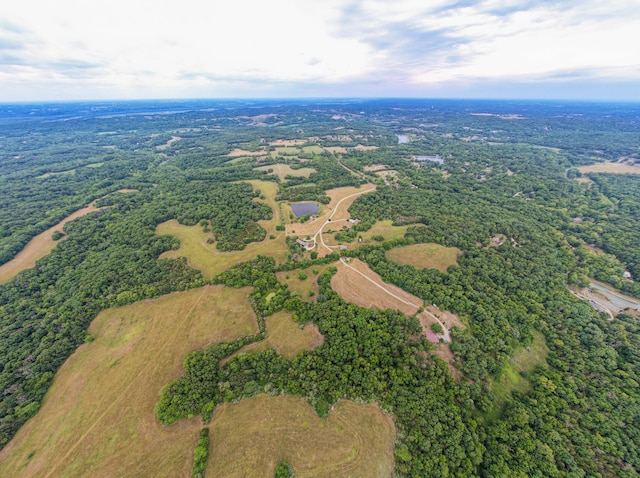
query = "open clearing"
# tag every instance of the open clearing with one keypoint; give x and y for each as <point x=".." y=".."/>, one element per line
<point x="303" y="286"/>
<point x="340" y="216"/>
<point x="168" y="144"/>
<point x="386" y="229"/>
<point x="42" y="244"/>
<point x="207" y="259"/>
<point x="356" y="289"/>
<point x="613" y="168"/>
<point x="288" y="142"/>
<point x="97" y="418"/>
<point x="285" y="151"/>
<point x="425" y="256"/>
<point x="250" y="439"/>
<point x="336" y="149"/>
<point x="286" y="337"/>
<point x="524" y="361"/>
<point x="284" y="170"/>
<point x="236" y="153"/>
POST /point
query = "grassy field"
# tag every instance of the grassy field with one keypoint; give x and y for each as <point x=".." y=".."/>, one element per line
<point x="613" y="168"/>
<point x="315" y="149"/>
<point x="97" y="418"/>
<point x="303" y="286"/>
<point x="336" y="149"/>
<point x="425" y="256"/>
<point x="286" y="336"/>
<point x="207" y="259"/>
<point x="43" y="244"/>
<point x="250" y="438"/>
<point x="284" y="170"/>
<point x="524" y="360"/>
<point x="285" y="151"/>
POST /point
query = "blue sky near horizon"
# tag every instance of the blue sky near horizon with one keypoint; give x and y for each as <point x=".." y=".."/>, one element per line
<point x="547" y="49"/>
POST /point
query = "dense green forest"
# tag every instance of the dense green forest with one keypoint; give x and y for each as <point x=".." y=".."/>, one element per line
<point x="509" y="170"/>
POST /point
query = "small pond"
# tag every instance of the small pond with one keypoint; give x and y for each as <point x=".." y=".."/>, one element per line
<point x="305" y="208"/>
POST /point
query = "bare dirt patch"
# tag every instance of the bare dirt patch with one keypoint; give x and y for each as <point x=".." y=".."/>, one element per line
<point x="250" y="439"/>
<point x="97" y="418"/>
<point x="612" y="168"/>
<point x="284" y="170"/>
<point x="425" y="256"/>
<point x="286" y="337"/>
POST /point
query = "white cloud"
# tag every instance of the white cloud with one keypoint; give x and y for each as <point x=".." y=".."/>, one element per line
<point x="144" y="48"/>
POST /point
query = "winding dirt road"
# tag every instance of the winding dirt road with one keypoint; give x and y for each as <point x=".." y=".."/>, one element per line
<point x="445" y="332"/>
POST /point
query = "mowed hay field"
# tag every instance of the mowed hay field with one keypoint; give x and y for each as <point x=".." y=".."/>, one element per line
<point x="207" y="259"/>
<point x="425" y="256"/>
<point x="97" y="418"/>
<point x="284" y="170"/>
<point x="250" y="439"/>
<point x="358" y="284"/>
<point x="613" y="168"/>
<point x="286" y="337"/>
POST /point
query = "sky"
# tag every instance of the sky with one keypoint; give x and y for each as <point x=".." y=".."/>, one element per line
<point x="138" y="49"/>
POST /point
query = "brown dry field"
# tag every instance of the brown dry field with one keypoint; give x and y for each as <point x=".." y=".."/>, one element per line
<point x="207" y="259"/>
<point x="42" y="244"/>
<point x="250" y="439"/>
<point x="355" y="288"/>
<point x="365" y="148"/>
<point x="336" y="149"/>
<point x="613" y="168"/>
<point x="241" y="152"/>
<point x="97" y="418"/>
<point x="425" y="256"/>
<point x="284" y="170"/>
<point x="336" y="195"/>
<point x="286" y="337"/>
